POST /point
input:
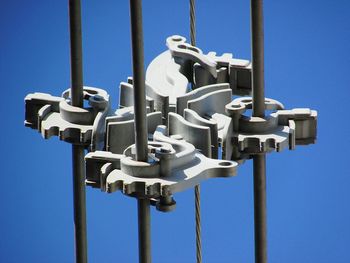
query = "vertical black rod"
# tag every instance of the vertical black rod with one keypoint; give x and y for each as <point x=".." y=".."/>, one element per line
<point x="259" y="167"/>
<point x="77" y="150"/>
<point x="79" y="203"/>
<point x="138" y="80"/>
<point x="257" y="29"/>
<point x="259" y="161"/>
<point x="144" y="222"/>
<point x="76" y="53"/>
<point x="141" y="140"/>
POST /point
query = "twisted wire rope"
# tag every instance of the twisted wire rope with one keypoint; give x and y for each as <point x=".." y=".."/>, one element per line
<point x="197" y="187"/>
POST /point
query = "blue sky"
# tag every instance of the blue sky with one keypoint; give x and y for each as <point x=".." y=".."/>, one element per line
<point x="307" y="58"/>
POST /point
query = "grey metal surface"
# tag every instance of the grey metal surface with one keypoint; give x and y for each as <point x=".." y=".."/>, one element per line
<point x="211" y="103"/>
<point x="186" y="54"/>
<point x="236" y="72"/>
<point x="198" y="136"/>
<point x="194" y="118"/>
<point x="118" y="131"/>
<point x="182" y="101"/>
<point x="126" y="96"/>
<point x="164" y="78"/>
<point x="209" y="110"/>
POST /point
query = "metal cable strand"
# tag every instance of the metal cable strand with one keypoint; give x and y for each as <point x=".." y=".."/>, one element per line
<point x="197" y="197"/>
<point x="193" y="22"/>
<point x="197" y="187"/>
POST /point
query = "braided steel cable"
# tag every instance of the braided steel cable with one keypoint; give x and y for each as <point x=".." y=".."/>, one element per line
<point x="197" y="192"/>
<point x="193" y="22"/>
<point x="197" y="189"/>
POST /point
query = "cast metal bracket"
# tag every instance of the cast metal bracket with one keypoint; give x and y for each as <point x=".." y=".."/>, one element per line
<point x="199" y="124"/>
<point x="54" y="116"/>
<point x="173" y="165"/>
<point x="168" y="76"/>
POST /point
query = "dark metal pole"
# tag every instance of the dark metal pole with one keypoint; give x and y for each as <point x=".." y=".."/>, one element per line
<point x="141" y="140"/>
<point x="259" y="160"/>
<point x="79" y="203"/>
<point x="76" y="53"/>
<point x="138" y="80"/>
<point x="257" y="25"/>
<point x="144" y="222"/>
<point x="77" y="150"/>
<point x="259" y="167"/>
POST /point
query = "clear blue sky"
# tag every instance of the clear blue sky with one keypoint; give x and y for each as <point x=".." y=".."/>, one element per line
<point x="307" y="65"/>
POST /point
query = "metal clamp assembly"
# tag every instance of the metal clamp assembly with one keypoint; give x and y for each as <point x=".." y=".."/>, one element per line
<point x="279" y="130"/>
<point x="169" y="74"/>
<point x="54" y="116"/>
<point x="200" y="123"/>
<point x="168" y="132"/>
<point x="173" y="166"/>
